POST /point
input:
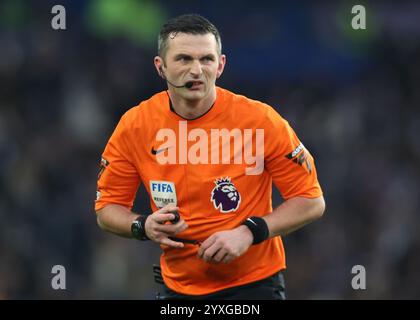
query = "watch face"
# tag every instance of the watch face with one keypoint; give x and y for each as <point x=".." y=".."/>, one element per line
<point x="137" y="230"/>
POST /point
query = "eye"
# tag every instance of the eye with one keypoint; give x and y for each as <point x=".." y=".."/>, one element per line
<point x="207" y="59"/>
<point x="184" y="59"/>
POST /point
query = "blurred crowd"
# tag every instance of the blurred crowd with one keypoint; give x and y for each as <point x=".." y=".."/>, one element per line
<point x="351" y="95"/>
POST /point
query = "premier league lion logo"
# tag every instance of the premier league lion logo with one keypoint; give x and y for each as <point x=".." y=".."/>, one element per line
<point x="224" y="196"/>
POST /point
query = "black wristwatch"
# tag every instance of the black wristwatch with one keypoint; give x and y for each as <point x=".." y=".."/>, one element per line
<point x="138" y="229"/>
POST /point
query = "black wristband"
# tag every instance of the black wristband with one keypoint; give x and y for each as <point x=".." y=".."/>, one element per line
<point x="258" y="227"/>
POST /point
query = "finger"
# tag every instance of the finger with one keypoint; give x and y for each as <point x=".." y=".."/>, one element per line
<point x="207" y="243"/>
<point x="180" y="226"/>
<point x="210" y="252"/>
<point x="156" y="235"/>
<point x="227" y="259"/>
<point x="219" y="256"/>
<point x="176" y="215"/>
<point x="171" y="243"/>
<point x="163" y="217"/>
<point x="168" y="208"/>
<point x="172" y="229"/>
<point x="169" y="211"/>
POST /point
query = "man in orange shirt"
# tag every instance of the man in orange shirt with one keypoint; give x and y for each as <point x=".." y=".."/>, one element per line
<point x="208" y="158"/>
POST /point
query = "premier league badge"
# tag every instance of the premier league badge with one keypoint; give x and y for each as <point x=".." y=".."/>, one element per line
<point x="224" y="196"/>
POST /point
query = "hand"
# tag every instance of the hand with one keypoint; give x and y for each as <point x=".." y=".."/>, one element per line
<point x="158" y="229"/>
<point x="225" y="246"/>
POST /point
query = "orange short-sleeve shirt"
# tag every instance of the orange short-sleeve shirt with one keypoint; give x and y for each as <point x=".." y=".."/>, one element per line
<point x="218" y="169"/>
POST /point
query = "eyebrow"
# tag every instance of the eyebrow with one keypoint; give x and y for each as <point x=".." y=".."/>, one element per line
<point x="183" y="55"/>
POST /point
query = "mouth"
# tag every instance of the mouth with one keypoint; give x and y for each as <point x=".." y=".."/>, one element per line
<point x="196" y="85"/>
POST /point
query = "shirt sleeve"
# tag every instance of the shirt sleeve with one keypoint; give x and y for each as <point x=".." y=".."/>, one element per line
<point x="290" y="164"/>
<point x="118" y="179"/>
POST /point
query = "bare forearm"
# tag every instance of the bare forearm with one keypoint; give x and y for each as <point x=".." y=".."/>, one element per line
<point x="294" y="214"/>
<point x="116" y="219"/>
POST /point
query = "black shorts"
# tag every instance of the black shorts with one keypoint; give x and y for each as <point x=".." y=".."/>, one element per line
<point x="271" y="288"/>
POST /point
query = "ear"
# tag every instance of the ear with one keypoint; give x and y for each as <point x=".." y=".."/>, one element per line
<point x="221" y="66"/>
<point x="159" y="65"/>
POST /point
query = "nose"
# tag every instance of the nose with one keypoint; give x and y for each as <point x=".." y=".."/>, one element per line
<point x="196" y="68"/>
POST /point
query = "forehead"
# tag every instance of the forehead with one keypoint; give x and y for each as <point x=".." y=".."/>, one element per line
<point x="192" y="44"/>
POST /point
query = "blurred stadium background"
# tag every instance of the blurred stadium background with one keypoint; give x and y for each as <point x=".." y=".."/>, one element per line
<point x="352" y="96"/>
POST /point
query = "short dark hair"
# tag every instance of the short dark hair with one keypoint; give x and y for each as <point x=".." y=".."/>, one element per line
<point x="187" y="23"/>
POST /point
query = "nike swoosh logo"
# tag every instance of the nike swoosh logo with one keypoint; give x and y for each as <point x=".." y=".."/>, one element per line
<point x="155" y="152"/>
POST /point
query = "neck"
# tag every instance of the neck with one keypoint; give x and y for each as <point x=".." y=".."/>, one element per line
<point x="191" y="109"/>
